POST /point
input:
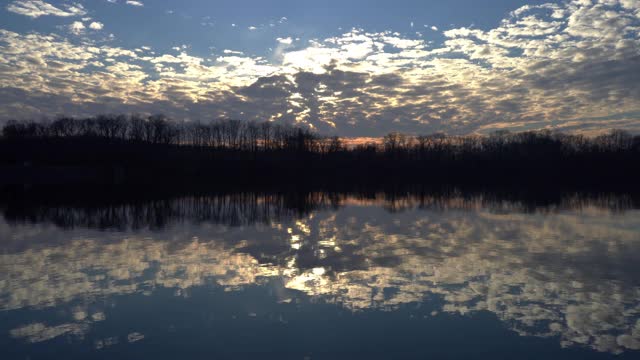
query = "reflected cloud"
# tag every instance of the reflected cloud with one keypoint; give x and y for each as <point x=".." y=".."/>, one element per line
<point x="39" y="332"/>
<point x="569" y="272"/>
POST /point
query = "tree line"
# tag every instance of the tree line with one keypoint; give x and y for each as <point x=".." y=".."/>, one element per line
<point x="155" y="148"/>
<point x="256" y="136"/>
<point x="158" y="129"/>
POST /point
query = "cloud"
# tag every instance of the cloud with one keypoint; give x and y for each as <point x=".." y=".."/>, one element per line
<point x="96" y="25"/>
<point x="567" y="66"/>
<point x="286" y="41"/>
<point x="77" y="27"/>
<point x="134" y="3"/>
<point x="37" y="8"/>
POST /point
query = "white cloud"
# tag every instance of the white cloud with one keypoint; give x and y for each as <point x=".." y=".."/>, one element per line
<point x="77" y="27"/>
<point x="134" y="3"/>
<point x="96" y="25"/>
<point x="37" y="8"/>
<point x="286" y="41"/>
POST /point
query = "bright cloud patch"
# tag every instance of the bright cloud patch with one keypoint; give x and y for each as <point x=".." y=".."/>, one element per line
<point x="77" y="27"/>
<point x="134" y="3"/>
<point x="37" y="8"/>
<point x="574" y="66"/>
<point x="96" y="25"/>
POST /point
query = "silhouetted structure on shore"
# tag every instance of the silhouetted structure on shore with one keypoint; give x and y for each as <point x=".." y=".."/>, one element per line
<point x="133" y="149"/>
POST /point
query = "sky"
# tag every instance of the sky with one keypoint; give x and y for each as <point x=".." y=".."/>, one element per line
<point x="349" y="68"/>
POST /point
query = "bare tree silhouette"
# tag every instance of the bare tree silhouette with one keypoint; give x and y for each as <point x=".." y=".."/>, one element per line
<point x="155" y="148"/>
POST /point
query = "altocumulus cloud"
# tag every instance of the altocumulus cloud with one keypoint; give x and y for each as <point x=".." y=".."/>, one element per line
<point x="37" y="8"/>
<point x="574" y="66"/>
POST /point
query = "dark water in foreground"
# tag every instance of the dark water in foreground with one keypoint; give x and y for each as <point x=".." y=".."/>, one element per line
<point x="322" y="276"/>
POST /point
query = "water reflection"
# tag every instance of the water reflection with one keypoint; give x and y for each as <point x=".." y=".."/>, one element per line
<point x="567" y="270"/>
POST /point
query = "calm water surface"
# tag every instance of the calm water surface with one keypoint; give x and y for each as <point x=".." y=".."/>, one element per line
<point x="320" y="276"/>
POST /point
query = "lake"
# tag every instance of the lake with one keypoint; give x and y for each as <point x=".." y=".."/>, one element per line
<point x="321" y="276"/>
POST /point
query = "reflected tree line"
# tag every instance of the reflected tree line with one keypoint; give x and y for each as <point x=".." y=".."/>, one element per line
<point x="80" y="209"/>
<point x="154" y="148"/>
<point x="232" y="209"/>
